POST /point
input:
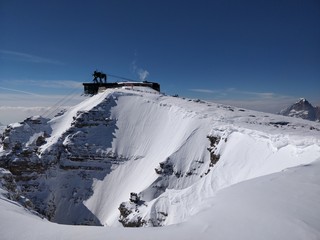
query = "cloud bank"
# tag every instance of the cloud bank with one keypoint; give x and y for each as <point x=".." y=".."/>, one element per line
<point x="17" y="104"/>
<point x="70" y="84"/>
<point x="15" y="107"/>
<point x="259" y="101"/>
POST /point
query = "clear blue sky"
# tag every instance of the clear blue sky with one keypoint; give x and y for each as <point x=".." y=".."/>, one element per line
<point x="224" y="50"/>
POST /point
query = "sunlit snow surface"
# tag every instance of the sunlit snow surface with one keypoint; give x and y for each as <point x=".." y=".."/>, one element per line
<point x="264" y="186"/>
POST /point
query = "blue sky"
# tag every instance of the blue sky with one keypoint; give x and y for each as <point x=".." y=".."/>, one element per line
<point x="259" y="54"/>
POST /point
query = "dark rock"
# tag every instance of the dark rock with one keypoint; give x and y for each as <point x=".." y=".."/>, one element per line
<point x="214" y="158"/>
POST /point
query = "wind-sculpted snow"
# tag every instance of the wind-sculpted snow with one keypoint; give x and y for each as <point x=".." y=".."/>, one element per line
<point x="171" y="154"/>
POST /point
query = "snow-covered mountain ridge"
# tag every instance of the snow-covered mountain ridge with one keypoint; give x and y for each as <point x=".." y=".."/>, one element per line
<point x="173" y="154"/>
<point x="302" y="109"/>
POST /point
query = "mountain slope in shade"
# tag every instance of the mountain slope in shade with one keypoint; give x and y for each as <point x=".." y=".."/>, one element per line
<point x="133" y="158"/>
<point x="302" y="109"/>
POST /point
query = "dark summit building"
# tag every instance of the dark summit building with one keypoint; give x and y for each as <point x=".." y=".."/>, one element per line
<point x="100" y="83"/>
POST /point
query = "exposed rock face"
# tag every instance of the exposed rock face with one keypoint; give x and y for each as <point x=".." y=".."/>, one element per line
<point x="20" y="143"/>
<point x="13" y="192"/>
<point x="302" y="109"/>
<point x="59" y="179"/>
<point x="214" y="158"/>
<point x="131" y="208"/>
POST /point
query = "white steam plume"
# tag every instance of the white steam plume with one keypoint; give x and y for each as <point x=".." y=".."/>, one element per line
<point x="142" y="73"/>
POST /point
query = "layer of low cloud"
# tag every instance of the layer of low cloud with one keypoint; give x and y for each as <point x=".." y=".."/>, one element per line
<point x="16" y="107"/>
<point x="18" y="114"/>
<point x="203" y="90"/>
<point x="56" y="84"/>
<point x="16" y="104"/>
<point x="259" y="101"/>
<point x="262" y="105"/>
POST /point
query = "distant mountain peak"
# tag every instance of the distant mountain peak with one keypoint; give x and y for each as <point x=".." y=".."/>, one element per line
<point x="302" y="109"/>
<point x="302" y="100"/>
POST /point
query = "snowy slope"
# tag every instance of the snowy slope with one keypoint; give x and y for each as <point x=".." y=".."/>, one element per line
<point x="176" y="154"/>
<point x="187" y="125"/>
<point x="279" y="206"/>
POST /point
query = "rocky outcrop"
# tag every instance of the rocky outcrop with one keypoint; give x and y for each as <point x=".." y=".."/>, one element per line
<point x="129" y="212"/>
<point x="20" y="143"/>
<point x="214" y="157"/>
<point x="13" y="191"/>
<point x="58" y="179"/>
